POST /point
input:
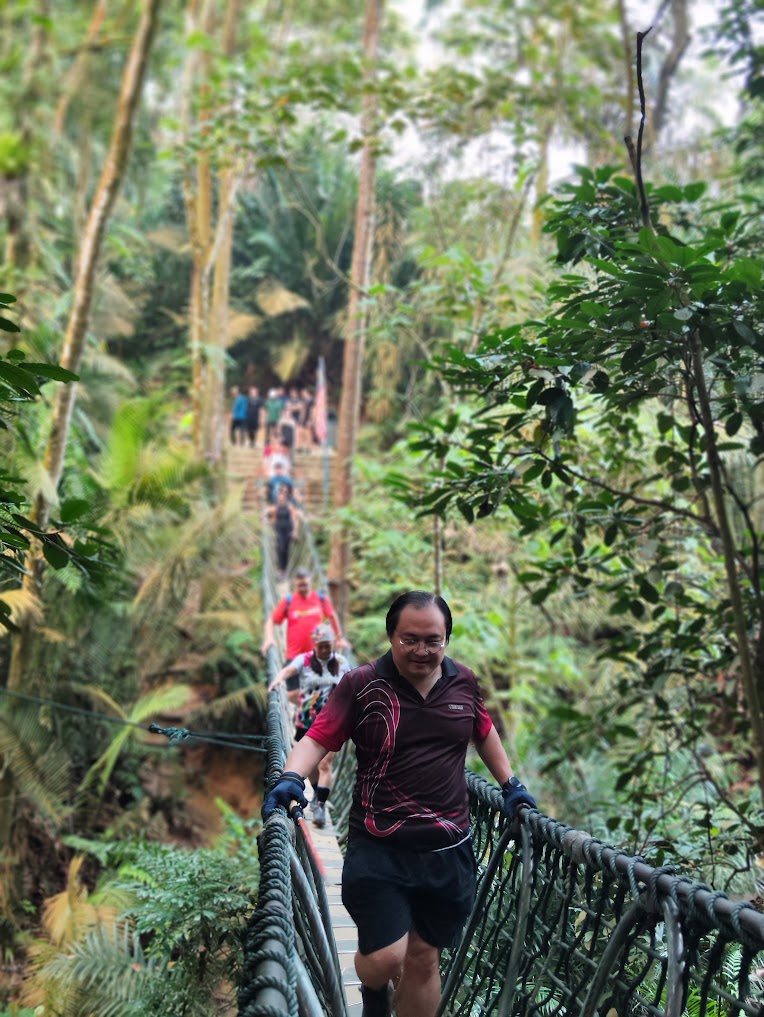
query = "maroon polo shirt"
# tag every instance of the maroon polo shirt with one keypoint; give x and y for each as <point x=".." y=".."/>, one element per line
<point x="410" y="786"/>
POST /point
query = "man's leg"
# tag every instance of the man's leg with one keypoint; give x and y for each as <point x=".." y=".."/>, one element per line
<point x="376" y="970"/>
<point x="418" y="991"/>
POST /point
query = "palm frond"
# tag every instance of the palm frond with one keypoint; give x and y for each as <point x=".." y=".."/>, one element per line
<point x="274" y="298"/>
<point x="25" y="606"/>
<point x="153" y="703"/>
<point x="39" y="765"/>
<point x="104" y="972"/>
<point x="39" y="482"/>
<point x="68" y="914"/>
<point x="240" y="326"/>
<point x="232" y="704"/>
<point x="170" y="238"/>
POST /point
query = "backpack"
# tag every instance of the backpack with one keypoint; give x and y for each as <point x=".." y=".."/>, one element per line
<point x="311" y="706"/>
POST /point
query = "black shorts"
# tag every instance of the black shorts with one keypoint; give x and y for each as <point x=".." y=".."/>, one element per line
<point x="390" y="890"/>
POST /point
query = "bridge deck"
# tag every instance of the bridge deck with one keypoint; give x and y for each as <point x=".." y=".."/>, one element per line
<point x="345" y="935"/>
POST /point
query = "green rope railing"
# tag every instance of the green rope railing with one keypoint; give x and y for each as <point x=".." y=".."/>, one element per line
<point x="291" y="964"/>
<point x="563" y="924"/>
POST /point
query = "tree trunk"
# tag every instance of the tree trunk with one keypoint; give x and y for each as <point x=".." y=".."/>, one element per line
<point x="219" y="263"/>
<point x="360" y="272"/>
<point x="197" y="193"/>
<point x="87" y="262"/>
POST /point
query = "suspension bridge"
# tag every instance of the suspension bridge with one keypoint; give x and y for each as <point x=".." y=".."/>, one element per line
<point x="563" y="924"/>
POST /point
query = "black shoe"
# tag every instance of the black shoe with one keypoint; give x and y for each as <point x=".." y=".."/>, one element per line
<point x="377" y="1002"/>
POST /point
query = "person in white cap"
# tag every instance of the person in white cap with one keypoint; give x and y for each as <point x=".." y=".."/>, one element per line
<point x="309" y="678"/>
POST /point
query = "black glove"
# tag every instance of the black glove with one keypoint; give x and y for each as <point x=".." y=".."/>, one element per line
<point x="515" y="794"/>
<point x="288" y="788"/>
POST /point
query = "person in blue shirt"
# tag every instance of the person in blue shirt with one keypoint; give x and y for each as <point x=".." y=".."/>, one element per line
<point x="279" y="479"/>
<point x="239" y="417"/>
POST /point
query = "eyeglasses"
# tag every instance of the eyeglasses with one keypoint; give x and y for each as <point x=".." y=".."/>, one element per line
<point x="429" y="645"/>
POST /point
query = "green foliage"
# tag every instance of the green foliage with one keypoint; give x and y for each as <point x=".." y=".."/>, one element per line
<point x="69" y="540"/>
<point x="15" y="155"/>
<point x="154" y="703"/>
<point x="176" y="949"/>
<point x="590" y="434"/>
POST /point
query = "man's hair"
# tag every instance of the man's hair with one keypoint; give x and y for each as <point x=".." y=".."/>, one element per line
<point x="302" y="574"/>
<point x="418" y="599"/>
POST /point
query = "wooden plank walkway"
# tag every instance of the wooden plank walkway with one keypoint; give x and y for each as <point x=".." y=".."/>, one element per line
<point x="345" y="935"/>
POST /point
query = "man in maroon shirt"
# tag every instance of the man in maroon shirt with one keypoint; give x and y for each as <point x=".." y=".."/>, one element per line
<point x="409" y="875"/>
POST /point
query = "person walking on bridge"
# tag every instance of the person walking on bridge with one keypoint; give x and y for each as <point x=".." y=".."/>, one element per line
<point x="408" y="880"/>
<point x="309" y="678"/>
<point x="302" y="610"/>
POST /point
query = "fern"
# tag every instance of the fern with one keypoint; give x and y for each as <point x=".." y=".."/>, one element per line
<point x="105" y="973"/>
<point x="178" y="940"/>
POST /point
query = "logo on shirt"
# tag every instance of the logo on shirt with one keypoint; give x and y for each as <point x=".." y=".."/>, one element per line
<point x="456" y="706"/>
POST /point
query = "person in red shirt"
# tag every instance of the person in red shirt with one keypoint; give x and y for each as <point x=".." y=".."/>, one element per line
<point x="303" y="611"/>
<point x="408" y="880"/>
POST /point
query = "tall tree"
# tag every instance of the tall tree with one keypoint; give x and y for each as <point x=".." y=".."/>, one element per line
<point x="87" y="263"/>
<point x="216" y="293"/>
<point x="357" y="314"/>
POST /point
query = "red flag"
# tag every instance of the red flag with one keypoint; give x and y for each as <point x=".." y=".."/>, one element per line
<point x="319" y="406"/>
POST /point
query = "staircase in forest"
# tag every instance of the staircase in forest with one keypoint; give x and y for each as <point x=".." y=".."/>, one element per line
<point x="312" y="471"/>
<point x="245" y="468"/>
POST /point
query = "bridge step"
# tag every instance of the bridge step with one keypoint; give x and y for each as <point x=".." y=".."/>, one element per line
<point x="245" y="468"/>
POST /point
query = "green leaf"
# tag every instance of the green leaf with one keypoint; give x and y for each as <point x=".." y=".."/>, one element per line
<point x="53" y="371"/>
<point x="19" y="379"/>
<point x="55" y="555"/>
<point x="73" y="508"/>
<point x="648" y="592"/>
<point x="695" y="190"/>
<point x="733" y="423"/>
<point x="744" y="330"/>
<point x="632" y="355"/>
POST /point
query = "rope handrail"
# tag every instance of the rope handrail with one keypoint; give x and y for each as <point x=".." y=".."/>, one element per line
<point x="291" y="965"/>
<point x="563" y="924"/>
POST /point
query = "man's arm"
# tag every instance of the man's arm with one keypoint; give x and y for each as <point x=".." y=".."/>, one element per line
<point x="305" y="757"/>
<point x="276" y="617"/>
<point x="331" y="617"/>
<point x="493" y="754"/>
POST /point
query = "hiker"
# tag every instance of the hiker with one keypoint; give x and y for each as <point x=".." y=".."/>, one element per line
<point x="309" y="678"/>
<point x="408" y="879"/>
<point x="254" y="407"/>
<point x="302" y="610"/>
<point x="239" y="416"/>
<point x="285" y="519"/>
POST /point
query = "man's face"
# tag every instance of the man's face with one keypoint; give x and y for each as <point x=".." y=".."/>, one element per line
<point x="302" y="586"/>
<point x="416" y="642"/>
